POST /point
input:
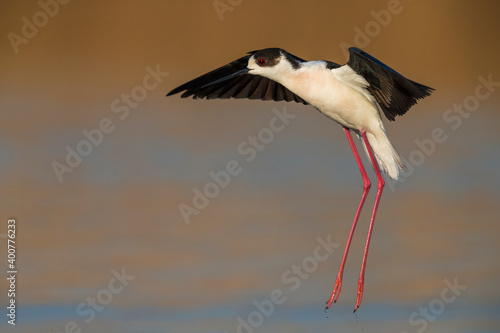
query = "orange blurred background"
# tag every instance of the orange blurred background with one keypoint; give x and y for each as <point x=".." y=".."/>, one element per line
<point x="118" y="207"/>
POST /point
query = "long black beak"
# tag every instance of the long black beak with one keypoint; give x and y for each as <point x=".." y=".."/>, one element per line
<point x="222" y="74"/>
<point x="227" y="77"/>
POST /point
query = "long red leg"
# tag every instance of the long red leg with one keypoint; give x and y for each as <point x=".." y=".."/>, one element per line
<point x="366" y="189"/>
<point x="380" y="187"/>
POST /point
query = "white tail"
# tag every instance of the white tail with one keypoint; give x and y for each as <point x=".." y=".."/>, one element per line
<point x="387" y="157"/>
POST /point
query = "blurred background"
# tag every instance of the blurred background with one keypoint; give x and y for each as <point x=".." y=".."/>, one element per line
<point x="97" y="166"/>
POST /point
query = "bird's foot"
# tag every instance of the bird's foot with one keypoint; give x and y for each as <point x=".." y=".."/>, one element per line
<point x="360" y="294"/>
<point x="335" y="293"/>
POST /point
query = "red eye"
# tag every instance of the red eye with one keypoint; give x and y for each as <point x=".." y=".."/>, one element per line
<point x="261" y="61"/>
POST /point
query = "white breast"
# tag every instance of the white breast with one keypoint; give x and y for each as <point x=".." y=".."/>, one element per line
<point x="340" y="94"/>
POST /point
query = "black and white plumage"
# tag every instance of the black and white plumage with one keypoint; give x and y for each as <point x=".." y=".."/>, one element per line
<point x="394" y="93"/>
<point x="354" y="95"/>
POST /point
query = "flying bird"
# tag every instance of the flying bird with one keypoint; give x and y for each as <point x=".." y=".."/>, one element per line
<point x="354" y="95"/>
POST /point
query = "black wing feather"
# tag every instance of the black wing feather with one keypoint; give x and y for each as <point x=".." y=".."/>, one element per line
<point x="394" y="93"/>
<point x="243" y="86"/>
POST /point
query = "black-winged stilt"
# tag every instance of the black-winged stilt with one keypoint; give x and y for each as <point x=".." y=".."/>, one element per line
<point x="353" y="95"/>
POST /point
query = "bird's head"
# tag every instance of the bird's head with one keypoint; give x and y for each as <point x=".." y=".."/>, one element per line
<point x="265" y="62"/>
<point x="272" y="63"/>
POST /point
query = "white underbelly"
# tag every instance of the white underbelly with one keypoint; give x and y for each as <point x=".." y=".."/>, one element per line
<point x="339" y="102"/>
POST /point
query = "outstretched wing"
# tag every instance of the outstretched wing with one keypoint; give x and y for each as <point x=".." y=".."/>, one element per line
<point x="225" y="82"/>
<point x="394" y="93"/>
